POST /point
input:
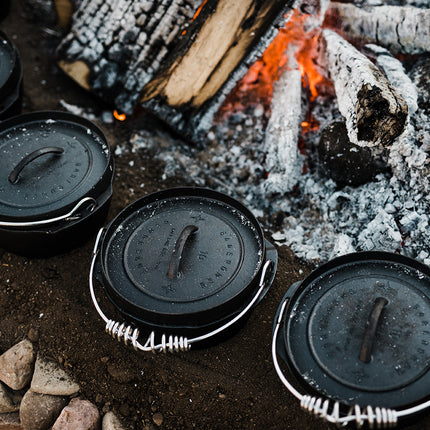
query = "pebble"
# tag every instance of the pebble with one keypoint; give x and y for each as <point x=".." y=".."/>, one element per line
<point x="16" y="365"/>
<point x="10" y="422"/>
<point x="49" y="378"/>
<point x="7" y="401"/>
<point x="158" y="419"/>
<point x="39" y="411"/>
<point x="33" y="335"/>
<point x="111" y="422"/>
<point x="78" y="415"/>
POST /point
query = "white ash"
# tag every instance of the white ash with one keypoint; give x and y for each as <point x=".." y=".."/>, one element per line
<point x="320" y="220"/>
<point x="104" y="116"/>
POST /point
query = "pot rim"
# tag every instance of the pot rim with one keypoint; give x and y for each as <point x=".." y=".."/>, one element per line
<point x="336" y="410"/>
<point x="171" y="193"/>
<point x="103" y="182"/>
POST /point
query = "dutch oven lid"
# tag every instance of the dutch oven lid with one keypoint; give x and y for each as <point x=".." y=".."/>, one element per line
<point x="10" y="68"/>
<point x="358" y="330"/>
<point x="48" y="162"/>
<point x="182" y="256"/>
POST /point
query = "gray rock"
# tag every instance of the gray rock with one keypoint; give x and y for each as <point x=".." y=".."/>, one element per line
<point x="10" y="422"/>
<point x="49" y="378"/>
<point x="9" y="402"/>
<point x="111" y="422"/>
<point x="78" y="415"/>
<point x="16" y="365"/>
<point x="39" y="411"/>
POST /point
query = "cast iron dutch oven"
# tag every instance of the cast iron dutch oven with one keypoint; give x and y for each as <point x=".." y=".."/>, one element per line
<point x="10" y="78"/>
<point x="355" y="338"/>
<point x="56" y="172"/>
<point x="184" y="265"/>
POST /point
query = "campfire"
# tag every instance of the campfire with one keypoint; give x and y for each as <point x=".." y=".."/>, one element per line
<point x="326" y="135"/>
<point x="313" y="114"/>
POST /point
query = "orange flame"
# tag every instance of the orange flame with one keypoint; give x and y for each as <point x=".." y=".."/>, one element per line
<point x="294" y="34"/>
<point x="297" y="36"/>
<point x="119" y="116"/>
<point x="197" y="13"/>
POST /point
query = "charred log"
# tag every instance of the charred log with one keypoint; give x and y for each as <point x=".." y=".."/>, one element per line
<point x="395" y="73"/>
<point x="344" y="162"/>
<point x="375" y="113"/>
<point x="159" y="54"/>
<point x="399" y="29"/>
<point x="420" y="75"/>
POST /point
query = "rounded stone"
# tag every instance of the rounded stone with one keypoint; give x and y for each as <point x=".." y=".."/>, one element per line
<point x="39" y="411"/>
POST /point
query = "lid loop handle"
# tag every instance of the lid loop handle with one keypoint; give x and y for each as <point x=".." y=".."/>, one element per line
<point x="371" y="326"/>
<point x="13" y="177"/>
<point x="175" y="259"/>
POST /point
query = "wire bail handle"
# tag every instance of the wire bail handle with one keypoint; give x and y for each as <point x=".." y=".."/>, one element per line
<point x="70" y="216"/>
<point x="330" y="410"/>
<point x="171" y="343"/>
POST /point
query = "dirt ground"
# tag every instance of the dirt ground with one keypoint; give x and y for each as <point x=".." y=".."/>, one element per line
<point x="230" y="385"/>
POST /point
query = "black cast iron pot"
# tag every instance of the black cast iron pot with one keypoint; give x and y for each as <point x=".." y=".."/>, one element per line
<point x="355" y="338"/>
<point x="10" y="78"/>
<point x="184" y="265"/>
<point x="56" y="172"/>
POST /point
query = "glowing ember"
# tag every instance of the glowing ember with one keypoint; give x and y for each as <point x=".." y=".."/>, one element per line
<point x="298" y="37"/>
<point x="195" y="15"/>
<point x="119" y="116"/>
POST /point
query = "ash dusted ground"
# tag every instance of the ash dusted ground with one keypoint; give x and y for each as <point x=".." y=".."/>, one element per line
<point x="230" y="385"/>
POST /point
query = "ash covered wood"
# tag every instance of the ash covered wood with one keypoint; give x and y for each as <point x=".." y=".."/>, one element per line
<point x="394" y="71"/>
<point x="420" y="75"/>
<point x="374" y="111"/>
<point x="160" y="54"/>
<point x="283" y="161"/>
<point x="400" y="29"/>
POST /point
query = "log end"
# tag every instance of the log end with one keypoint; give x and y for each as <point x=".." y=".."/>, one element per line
<point x="380" y="119"/>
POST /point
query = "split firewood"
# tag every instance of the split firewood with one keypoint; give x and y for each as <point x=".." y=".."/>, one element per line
<point x="374" y="112"/>
<point x="399" y="29"/>
<point x="283" y="160"/>
<point x="176" y="59"/>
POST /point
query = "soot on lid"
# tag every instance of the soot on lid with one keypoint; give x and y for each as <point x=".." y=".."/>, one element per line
<point x="358" y="330"/>
<point x="183" y="258"/>
<point x="48" y="161"/>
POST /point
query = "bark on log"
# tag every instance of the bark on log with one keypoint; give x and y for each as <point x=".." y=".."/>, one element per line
<point x="283" y="160"/>
<point x="399" y="29"/>
<point x="159" y="54"/>
<point x="374" y="112"/>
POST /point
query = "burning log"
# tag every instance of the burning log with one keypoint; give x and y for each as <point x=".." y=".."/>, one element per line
<point x="282" y="133"/>
<point x="375" y="113"/>
<point x="395" y="73"/>
<point x="399" y="29"/>
<point x="344" y="162"/>
<point x="177" y="62"/>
